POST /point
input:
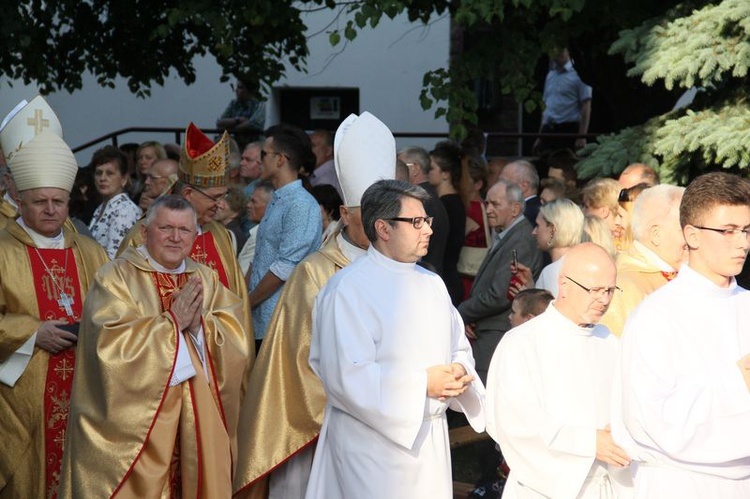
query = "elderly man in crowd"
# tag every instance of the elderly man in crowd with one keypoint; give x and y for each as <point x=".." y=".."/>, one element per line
<point x="486" y="310"/>
<point x="548" y="390"/>
<point x="524" y="175"/>
<point x="283" y="410"/>
<point x="45" y="273"/>
<point x="163" y="356"/>
<point x="655" y="255"/>
<point x="158" y="181"/>
<point x="390" y="350"/>
<point x="325" y="171"/>
<point x="685" y="377"/>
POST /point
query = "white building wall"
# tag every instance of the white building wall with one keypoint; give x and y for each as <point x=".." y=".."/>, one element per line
<point x="386" y="63"/>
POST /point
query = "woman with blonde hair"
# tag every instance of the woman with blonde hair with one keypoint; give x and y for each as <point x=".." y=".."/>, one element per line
<point x="559" y="227"/>
<point x="600" y="200"/>
<point x="596" y="230"/>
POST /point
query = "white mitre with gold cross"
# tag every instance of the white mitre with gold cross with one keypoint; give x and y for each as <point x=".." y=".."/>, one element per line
<point x="31" y="139"/>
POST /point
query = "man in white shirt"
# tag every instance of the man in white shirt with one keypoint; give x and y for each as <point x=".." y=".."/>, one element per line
<point x="548" y="389"/>
<point x="683" y="387"/>
<point x="391" y="352"/>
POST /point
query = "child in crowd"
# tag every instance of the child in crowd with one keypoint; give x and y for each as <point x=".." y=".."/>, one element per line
<point x="527" y="304"/>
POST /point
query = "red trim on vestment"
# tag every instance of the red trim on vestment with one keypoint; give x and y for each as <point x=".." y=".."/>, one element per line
<point x="61" y="264"/>
<point x="205" y="251"/>
<point x="261" y="477"/>
<point x="158" y="409"/>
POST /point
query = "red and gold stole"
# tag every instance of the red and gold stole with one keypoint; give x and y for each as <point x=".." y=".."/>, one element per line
<point x="205" y="251"/>
<point x="60" y="275"/>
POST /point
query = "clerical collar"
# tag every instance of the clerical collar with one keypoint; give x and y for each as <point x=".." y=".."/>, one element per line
<point x="10" y="201"/>
<point x="350" y="250"/>
<point x="652" y="257"/>
<point x="156" y="265"/>
<point x="43" y="242"/>
<point x="388" y="262"/>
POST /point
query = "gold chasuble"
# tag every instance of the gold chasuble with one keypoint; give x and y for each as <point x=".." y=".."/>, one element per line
<point x="213" y="249"/>
<point x="7" y="212"/>
<point x="283" y="410"/>
<point x="131" y="434"/>
<point x="38" y="285"/>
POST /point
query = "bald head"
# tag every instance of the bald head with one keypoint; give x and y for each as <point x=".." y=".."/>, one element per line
<point x="523" y="174"/>
<point x="160" y="177"/>
<point x="638" y="173"/>
<point x="589" y="266"/>
<point x="656" y="223"/>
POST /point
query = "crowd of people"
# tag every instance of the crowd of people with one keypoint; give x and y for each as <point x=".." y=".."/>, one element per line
<point x="296" y="316"/>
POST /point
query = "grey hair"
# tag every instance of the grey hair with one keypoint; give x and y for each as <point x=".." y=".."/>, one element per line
<point x="257" y="144"/>
<point x="169" y="202"/>
<point x="523" y="170"/>
<point x="652" y="206"/>
<point x="382" y="200"/>
<point x="513" y="193"/>
<point x="414" y="154"/>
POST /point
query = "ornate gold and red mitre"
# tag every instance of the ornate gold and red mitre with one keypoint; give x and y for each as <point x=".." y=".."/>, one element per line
<point x="203" y="163"/>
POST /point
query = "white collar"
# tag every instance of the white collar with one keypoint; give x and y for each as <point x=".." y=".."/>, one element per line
<point x="652" y="257"/>
<point x="43" y="242"/>
<point x="156" y="265"/>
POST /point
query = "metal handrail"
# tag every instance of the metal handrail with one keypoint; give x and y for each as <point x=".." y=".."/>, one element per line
<point x="178" y="132"/>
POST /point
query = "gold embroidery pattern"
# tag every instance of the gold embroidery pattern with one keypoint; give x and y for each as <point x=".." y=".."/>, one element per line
<point x="167" y="285"/>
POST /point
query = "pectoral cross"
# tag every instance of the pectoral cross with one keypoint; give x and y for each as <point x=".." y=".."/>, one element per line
<point x="66" y="302"/>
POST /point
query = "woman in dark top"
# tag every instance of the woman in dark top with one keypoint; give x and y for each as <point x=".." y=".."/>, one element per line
<point x="446" y="176"/>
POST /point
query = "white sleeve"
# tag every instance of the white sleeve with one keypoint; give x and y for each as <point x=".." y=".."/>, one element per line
<point x="13" y="367"/>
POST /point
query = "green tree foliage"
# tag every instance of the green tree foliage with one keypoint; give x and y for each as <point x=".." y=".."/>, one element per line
<point x="707" y="47"/>
<point x="53" y="43"/>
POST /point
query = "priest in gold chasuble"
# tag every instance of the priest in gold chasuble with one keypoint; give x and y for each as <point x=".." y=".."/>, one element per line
<point x="45" y="272"/>
<point x="162" y="356"/>
<point x="202" y="181"/>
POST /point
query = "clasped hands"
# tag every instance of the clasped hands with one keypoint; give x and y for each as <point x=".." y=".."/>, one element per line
<point x="447" y="380"/>
<point x="187" y="305"/>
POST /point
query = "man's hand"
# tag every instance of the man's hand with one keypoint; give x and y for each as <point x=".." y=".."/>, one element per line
<point x="51" y="338"/>
<point x="580" y="143"/>
<point x="442" y="382"/>
<point x="470" y="333"/>
<point x="459" y="373"/>
<point x="608" y="451"/>
<point x="187" y="304"/>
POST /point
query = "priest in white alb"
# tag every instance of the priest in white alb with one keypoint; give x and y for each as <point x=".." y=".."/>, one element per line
<point x="391" y="352"/>
<point x="548" y="391"/>
<point x="283" y="408"/>
<point x="683" y="391"/>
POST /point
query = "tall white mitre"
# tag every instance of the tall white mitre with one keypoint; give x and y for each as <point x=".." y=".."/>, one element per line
<point x="31" y="138"/>
<point x="364" y="152"/>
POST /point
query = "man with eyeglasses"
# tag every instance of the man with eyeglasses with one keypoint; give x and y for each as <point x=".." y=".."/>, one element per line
<point x="654" y="257"/>
<point x="163" y="355"/>
<point x="549" y="385"/>
<point x="283" y="409"/>
<point x="158" y="181"/>
<point x="291" y="228"/>
<point x="390" y="350"/>
<point x="685" y="373"/>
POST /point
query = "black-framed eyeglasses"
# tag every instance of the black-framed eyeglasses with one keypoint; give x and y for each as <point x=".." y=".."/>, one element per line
<point x="215" y="199"/>
<point x="729" y="233"/>
<point x="416" y="222"/>
<point x="264" y="153"/>
<point x="598" y="292"/>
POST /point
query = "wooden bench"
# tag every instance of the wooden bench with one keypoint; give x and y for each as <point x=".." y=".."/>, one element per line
<point x="460" y="437"/>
